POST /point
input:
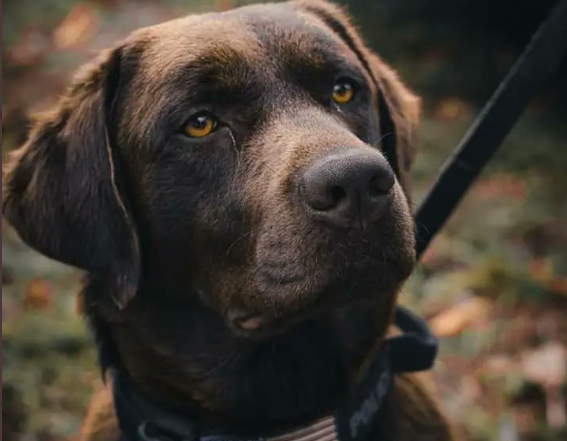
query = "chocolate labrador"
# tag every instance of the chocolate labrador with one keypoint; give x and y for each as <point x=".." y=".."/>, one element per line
<point x="223" y="181"/>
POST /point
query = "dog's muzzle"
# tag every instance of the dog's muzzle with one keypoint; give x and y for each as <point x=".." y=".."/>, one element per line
<point x="364" y="412"/>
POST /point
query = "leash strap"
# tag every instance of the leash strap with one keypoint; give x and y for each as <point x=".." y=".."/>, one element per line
<point x="363" y="412"/>
<point x="540" y="61"/>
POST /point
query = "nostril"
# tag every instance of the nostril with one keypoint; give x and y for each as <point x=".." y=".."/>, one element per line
<point x="379" y="184"/>
<point x="318" y="196"/>
<point x="338" y="193"/>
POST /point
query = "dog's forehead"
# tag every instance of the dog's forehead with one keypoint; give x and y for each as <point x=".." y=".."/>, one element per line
<point x="257" y="35"/>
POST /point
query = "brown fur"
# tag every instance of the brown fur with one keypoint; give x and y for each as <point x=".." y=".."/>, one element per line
<point x="178" y="234"/>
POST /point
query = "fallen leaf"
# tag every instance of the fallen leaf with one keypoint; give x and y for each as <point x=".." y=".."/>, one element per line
<point x="540" y="269"/>
<point x="558" y="285"/>
<point x="499" y="364"/>
<point x="77" y="27"/>
<point x="36" y="294"/>
<point x="225" y="5"/>
<point x="467" y="313"/>
<point x="501" y="186"/>
<point x="546" y="365"/>
<point x="450" y="109"/>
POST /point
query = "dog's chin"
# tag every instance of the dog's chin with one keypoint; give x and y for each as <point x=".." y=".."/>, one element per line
<point x="283" y="294"/>
<point x="290" y="301"/>
<point x="272" y="319"/>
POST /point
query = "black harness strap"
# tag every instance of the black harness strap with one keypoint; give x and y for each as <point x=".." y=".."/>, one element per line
<point x="540" y="61"/>
<point x="412" y="351"/>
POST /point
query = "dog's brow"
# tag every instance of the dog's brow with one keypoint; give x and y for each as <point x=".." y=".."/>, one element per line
<point x="219" y="67"/>
<point x="318" y="63"/>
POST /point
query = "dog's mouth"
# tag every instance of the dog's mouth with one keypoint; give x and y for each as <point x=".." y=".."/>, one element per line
<point x="289" y="298"/>
<point x="247" y="321"/>
<point x="278" y="276"/>
<point x="284" y="296"/>
<point x="289" y="283"/>
<point x="254" y="325"/>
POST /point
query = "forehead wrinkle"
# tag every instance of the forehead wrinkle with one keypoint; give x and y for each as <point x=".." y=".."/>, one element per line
<point x="220" y="66"/>
<point x="220" y="41"/>
<point x="295" y="39"/>
<point x="314" y="56"/>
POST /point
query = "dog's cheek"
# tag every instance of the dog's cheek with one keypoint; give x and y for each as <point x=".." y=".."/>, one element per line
<point x="189" y="215"/>
<point x="286" y="238"/>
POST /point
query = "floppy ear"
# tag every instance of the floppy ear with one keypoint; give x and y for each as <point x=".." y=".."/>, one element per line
<point x="397" y="107"/>
<point x="62" y="191"/>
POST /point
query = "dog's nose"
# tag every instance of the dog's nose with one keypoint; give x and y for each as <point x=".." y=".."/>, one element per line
<point x="348" y="189"/>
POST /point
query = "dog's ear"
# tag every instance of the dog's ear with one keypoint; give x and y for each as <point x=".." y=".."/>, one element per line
<point x="398" y="109"/>
<point x="62" y="191"/>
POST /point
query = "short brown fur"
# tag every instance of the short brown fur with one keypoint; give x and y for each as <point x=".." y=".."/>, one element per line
<point x="177" y="234"/>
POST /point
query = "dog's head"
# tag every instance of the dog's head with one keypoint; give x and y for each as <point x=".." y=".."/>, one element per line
<point x="235" y="159"/>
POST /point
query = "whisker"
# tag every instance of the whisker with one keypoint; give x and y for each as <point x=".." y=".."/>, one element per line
<point x="238" y="239"/>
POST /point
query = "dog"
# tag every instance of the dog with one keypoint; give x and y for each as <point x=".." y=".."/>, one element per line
<point x="223" y="179"/>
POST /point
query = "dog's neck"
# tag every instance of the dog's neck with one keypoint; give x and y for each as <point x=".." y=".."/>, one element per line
<point x="184" y="354"/>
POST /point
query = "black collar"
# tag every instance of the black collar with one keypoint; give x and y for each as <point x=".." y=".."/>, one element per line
<point x="142" y="419"/>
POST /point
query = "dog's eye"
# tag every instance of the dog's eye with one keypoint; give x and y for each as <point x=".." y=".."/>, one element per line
<point x="343" y="92"/>
<point x="200" y="125"/>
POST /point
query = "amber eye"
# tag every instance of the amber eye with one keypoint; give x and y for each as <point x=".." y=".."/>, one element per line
<point x="200" y="125"/>
<point x="343" y="92"/>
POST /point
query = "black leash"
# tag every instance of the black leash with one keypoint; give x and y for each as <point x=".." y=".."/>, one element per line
<point x="540" y="61"/>
<point x="364" y="411"/>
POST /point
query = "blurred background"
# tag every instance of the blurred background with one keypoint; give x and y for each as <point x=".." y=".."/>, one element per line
<point x="493" y="285"/>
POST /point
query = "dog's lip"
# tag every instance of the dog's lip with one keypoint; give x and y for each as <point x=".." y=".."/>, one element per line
<point x="259" y="327"/>
<point x="246" y="320"/>
<point x="252" y="322"/>
<point x="255" y="325"/>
